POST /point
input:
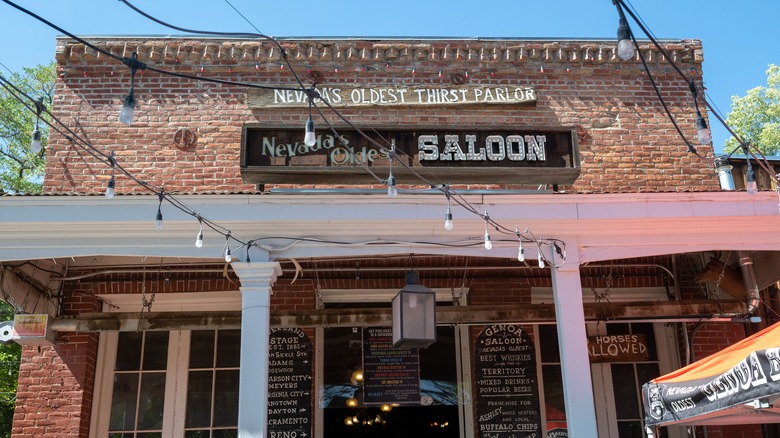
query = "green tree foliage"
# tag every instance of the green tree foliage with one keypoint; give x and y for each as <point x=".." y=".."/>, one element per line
<point x="10" y="354"/>
<point x="755" y="117"/>
<point x="21" y="171"/>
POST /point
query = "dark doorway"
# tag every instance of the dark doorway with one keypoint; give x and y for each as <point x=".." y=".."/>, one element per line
<point x="345" y="413"/>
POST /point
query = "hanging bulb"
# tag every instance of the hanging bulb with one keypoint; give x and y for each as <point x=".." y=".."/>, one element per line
<point x="159" y="219"/>
<point x="448" y="220"/>
<point x="228" y="254"/>
<point x="520" y="254"/>
<point x="625" y="47"/>
<point x="35" y="144"/>
<point x="309" y="139"/>
<point x="752" y="185"/>
<point x="488" y="243"/>
<point x="540" y="259"/>
<point x="199" y="239"/>
<point x="110" y="188"/>
<point x="702" y="132"/>
<point x="128" y="109"/>
<point x="392" y="191"/>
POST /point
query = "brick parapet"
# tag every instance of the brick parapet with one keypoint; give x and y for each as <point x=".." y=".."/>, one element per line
<point x="626" y="143"/>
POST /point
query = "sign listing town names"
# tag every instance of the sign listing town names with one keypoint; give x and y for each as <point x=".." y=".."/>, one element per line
<point x="507" y="390"/>
<point x="390" y="375"/>
<point x="289" y="384"/>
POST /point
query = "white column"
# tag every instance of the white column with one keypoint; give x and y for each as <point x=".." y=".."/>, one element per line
<point x="256" y="281"/>
<point x="572" y="342"/>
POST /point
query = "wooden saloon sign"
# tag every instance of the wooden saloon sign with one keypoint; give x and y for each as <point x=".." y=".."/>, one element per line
<point x="477" y="155"/>
<point x="455" y="155"/>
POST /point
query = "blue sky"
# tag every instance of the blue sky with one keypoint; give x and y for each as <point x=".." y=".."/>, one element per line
<point x="739" y="37"/>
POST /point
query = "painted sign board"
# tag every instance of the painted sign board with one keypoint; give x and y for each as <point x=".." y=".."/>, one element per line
<point x="32" y="330"/>
<point x="618" y="348"/>
<point x="499" y="155"/>
<point x="390" y="375"/>
<point x="394" y="95"/>
<point x="507" y="390"/>
<point x="289" y="383"/>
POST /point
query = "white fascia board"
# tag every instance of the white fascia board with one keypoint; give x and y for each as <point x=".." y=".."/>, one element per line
<point x="604" y="226"/>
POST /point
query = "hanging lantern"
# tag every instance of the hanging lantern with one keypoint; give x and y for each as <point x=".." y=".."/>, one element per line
<point x="414" y="314"/>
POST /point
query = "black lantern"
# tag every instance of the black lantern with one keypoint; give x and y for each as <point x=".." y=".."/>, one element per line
<point x="414" y="314"/>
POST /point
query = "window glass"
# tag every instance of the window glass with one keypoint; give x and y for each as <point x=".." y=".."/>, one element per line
<point x="202" y="348"/>
<point x="156" y="351"/>
<point x="138" y="398"/>
<point x="128" y="352"/>
<point x="212" y="384"/>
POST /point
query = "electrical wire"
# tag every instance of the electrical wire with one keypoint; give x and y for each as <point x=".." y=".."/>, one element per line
<point x="745" y="145"/>
<point x="133" y="63"/>
<point x="141" y="65"/>
<point x="313" y="95"/>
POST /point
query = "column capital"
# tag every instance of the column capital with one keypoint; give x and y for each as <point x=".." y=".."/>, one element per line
<point x="257" y="275"/>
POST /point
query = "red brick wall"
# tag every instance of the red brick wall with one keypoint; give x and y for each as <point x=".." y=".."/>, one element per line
<point x="627" y="144"/>
<point x="54" y="396"/>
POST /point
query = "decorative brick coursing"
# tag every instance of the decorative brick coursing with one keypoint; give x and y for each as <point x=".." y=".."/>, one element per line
<point x="626" y="142"/>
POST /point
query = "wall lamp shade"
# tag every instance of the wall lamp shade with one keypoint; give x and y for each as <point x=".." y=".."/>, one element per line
<point x="414" y="315"/>
<point x="725" y="177"/>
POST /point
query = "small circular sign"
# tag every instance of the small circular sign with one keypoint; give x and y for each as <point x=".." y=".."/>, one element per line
<point x="185" y="139"/>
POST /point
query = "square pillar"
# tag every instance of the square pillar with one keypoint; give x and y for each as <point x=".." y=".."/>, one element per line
<point x="256" y="282"/>
<point x="572" y="342"/>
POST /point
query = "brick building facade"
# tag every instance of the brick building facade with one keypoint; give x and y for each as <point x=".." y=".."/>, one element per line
<point x="134" y="307"/>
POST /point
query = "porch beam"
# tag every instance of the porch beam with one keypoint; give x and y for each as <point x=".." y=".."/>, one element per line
<point x="692" y="310"/>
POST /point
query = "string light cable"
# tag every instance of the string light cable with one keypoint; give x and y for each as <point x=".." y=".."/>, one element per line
<point x="657" y="91"/>
<point x="171" y="199"/>
<point x="144" y="66"/>
<point x="713" y="110"/>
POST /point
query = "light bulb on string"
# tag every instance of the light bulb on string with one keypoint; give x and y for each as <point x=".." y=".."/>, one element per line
<point x="625" y="46"/>
<point x="128" y="107"/>
<point x="110" y="188"/>
<point x="751" y="184"/>
<point x="448" y="225"/>
<point x="35" y="142"/>
<point x="488" y="244"/>
<point x="540" y="258"/>
<point x="703" y="133"/>
<point x="392" y="190"/>
<point x="111" y="183"/>
<point x="228" y="255"/>
<point x="310" y="139"/>
<point x="199" y="239"/>
<point x="520" y="250"/>
<point x="158" y="222"/>
<point x="448" y="215"/>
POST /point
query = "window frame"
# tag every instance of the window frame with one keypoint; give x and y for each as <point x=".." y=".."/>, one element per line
<point x="175" y="404"/>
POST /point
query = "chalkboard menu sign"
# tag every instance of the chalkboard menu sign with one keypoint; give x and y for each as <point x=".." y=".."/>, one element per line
<point x="289" y="383"/>
<point x="390" y="375"/>
<point x="507" y="391"/>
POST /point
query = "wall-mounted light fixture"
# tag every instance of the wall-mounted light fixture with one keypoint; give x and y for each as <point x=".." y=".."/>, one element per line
<point x="723" y="167"/>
